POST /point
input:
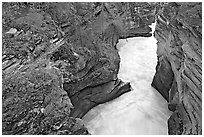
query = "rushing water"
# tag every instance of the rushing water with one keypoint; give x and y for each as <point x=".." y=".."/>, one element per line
<point x="140" y="111"/>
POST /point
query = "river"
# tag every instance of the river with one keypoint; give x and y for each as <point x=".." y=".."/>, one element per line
<point x="140" y="111"/>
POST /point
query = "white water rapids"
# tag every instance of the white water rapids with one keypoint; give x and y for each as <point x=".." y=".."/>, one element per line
<point x="140" y="111"/>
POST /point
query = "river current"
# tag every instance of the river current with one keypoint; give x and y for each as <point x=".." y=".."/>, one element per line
<point x="140" y="111"/>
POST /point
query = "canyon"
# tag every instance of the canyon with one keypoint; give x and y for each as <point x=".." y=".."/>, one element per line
<point x="59" y="60"/>
<point x="142" y="111"/>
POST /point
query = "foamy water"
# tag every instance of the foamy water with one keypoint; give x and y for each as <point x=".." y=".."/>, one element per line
<point x="140" y="111"/>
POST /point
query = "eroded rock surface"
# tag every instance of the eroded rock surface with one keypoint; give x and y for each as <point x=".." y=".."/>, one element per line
<point x="34" y="103"/>
<point x="179" y="70"/>
<point x="59" y="60"/>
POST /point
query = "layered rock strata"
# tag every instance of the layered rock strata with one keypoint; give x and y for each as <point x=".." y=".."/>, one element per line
<point x="59" y="60"/>
<point x="179" y="69"/>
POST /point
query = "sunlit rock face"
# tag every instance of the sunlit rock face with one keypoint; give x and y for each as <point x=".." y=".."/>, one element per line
<point x="179" y="69"/>
<point x="141" y="111"/>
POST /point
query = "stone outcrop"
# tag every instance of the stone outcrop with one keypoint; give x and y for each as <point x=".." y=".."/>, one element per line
<point x="179" y="69"/>
<point x="59" y="60"/>
<point x="34" y="103"/>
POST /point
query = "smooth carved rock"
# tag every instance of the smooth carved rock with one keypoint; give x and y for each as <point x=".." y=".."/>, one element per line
<point x="71" y="46"/>
<point x="98" y="82"/>
<point x="92" y="96"/>
<point x="163" y="78"/>
<point x="73" y="53"/>
<point x="179" y="36"/>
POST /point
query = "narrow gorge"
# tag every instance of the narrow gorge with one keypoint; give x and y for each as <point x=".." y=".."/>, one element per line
<point x="143" y="110"/>
<point x="80" y="67"/>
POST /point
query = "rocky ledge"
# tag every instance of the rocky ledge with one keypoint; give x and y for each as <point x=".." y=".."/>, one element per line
<point x="179" y="69"/>
<point x="59" y="60"/>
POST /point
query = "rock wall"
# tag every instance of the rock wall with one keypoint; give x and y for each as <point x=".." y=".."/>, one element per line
<point x="179" y="69"/>
<point x="33" y="100"/>
<point x="58" y="61"/>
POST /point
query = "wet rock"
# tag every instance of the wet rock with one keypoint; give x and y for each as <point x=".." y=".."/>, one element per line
<point x="138" y="32"/>
<point x="179" y="36"/>
<point x="92" y="96"/>
<point x="163" y="78"/>
<point x="50" y="69"/>
<point x="60" y="61"/>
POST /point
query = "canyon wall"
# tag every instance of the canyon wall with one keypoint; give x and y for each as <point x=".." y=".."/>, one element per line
<point x="179" y="69"/>
<point x="59" y="60"/>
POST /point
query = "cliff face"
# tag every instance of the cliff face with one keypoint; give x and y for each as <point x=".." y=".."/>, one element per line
<point x="33" y="100"/>
<point x="179" y="70"/>
<point x="59" y="60"/>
